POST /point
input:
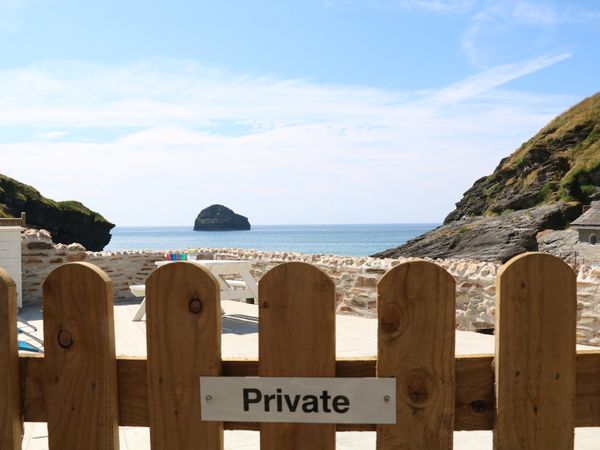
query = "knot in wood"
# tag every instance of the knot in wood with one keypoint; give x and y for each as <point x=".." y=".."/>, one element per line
<point x="195" y="306"/>
<point x="392" y="320"/>
<point x="479" y="406"/>
<point x="419" y="388"/>
<point x="65" y="339"/>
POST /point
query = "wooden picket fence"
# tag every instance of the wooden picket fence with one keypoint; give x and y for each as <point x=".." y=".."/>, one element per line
<point x="533" y="394"/>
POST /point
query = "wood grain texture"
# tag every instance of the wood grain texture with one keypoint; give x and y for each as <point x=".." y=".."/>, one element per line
<point x="10" y="392"/>
<point x="183" y="333"/>
<point x="296" y="339"/>
<point x="474" y="406"/>
<point x="536" y="310"/>
<point x="416" y="311"/>
<point x="80" y="364"/>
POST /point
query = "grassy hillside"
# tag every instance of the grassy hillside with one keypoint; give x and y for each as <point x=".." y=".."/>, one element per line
<point x="560" y="163"/>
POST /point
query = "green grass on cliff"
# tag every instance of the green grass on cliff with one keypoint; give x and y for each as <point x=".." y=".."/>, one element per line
<point x="586" y="161"/>
<point x="14" y="191"/>
<point x="585" y="153"/>
<point x="575" y="136"/>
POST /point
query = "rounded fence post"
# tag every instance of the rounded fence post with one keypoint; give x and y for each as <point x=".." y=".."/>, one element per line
<point x="416" y="312"/>
<point x="10" y="404"/>
<point x="183" y="334"/>
<point x="80" y="365"/>
<point x="535" y="366"/>
<point x="296" y="339"/>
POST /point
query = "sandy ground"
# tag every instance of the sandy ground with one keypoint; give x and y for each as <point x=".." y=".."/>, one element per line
<point x="356" y="336"/>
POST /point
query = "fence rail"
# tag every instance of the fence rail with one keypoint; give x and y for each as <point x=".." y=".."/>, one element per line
<point x="532" y="395"/>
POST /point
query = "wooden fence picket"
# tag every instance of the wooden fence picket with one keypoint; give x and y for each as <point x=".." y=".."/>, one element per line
<point x="296" y="339"/>
<point x="183" y="334"/>
<point x="535" y="354"/>
<point x="10" y="404"/>
<point x="80" y="365"/>
<point x="416" y="312"/>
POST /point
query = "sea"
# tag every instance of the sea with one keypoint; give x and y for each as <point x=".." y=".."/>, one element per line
<point x="342" y="240"/>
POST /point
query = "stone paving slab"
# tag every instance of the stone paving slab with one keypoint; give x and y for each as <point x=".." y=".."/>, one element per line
<point x="356" y="337"/>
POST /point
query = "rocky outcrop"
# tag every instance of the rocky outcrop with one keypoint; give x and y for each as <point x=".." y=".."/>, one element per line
<point x="486" y="238"/>
<point x="67" y="221"/>
<point x="561" y="243"/>
<point x="541" y="185"/>
<point x="560" y="163"/>
<point x="220" y="218"/>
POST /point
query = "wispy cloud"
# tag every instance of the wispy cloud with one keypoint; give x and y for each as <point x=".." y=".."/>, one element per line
<point x="495" y="77"/>
<point x="176" y="134"/>
<point x="496" y="29"/>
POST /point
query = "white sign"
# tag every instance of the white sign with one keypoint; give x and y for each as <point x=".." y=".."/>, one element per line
<point x="299" y="400"/>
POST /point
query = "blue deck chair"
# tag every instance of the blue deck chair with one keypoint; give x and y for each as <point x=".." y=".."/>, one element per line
<point x="26" y="346"/>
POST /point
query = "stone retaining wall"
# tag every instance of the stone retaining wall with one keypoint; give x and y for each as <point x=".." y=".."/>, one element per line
<point x="355" y="278"/>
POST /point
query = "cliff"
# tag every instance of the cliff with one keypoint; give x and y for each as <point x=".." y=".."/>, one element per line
<point x="560" y="163"/>
<point x="540" y="185"/>
<point x="220" y="218"/>
<point x="68" y="221"/>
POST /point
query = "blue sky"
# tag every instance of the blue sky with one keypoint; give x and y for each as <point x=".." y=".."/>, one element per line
<point x="355" y="111"/>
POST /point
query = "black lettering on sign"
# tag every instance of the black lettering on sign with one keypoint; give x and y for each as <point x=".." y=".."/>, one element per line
<point x="309" y="403"/>
<point x="325" y="397"/>
<point x="341" y="404"/>
<point x="294" y="404"/>
<point x="247" y="400"/>
<point x="279" y="401"/>
<point x="268" y="399"/>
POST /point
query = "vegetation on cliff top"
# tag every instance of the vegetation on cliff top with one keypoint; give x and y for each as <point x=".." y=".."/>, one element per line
<point x="68" y="221"/>
<point x="15" y="192"/>
<point x="560" y="163"/>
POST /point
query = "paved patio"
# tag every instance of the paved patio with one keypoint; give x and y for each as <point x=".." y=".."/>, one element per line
<point x="356" y="336"/>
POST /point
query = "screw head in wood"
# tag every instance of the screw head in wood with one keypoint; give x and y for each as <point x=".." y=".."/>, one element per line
<point x="208" y="398"/>
<point x="386" y="398"/>
<point x="195" y="306"/>
<point x="65" y="339"/>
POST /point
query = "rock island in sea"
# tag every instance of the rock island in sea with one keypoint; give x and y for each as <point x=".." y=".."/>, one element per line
<point x="220" y="218"/>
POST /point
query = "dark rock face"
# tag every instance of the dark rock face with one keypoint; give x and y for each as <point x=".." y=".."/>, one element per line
<point x="487" y="238"/>
<point x="220" y="218"/>
<point x="68" y="221"/>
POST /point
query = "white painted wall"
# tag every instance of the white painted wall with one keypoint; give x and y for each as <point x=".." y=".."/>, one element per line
<point x="10" y="256"/>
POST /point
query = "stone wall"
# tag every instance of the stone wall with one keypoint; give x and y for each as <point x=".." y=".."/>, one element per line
<point x="355" y="278"/>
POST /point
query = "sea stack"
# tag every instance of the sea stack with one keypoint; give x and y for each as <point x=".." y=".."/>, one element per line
<point x="220" y="218"/>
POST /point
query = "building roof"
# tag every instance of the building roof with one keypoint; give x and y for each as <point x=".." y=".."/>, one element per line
<point x="590" y="218"/>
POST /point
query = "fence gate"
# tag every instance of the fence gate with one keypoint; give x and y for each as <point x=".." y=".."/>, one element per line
<point x="532" y="395"/>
